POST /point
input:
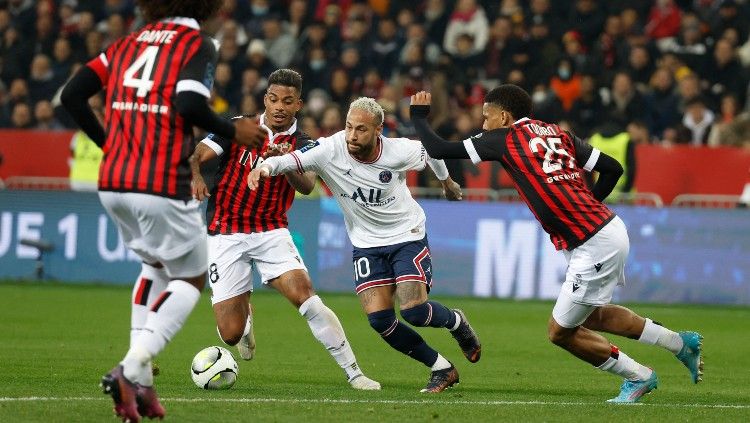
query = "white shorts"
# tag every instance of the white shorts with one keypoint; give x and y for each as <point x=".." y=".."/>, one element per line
<point x="232" y="258"/>
<point x="161" y="229"/>
<point x="594" y="269"/>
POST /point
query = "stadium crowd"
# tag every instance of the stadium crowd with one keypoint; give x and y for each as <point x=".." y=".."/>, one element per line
<point x="664" y="71"/>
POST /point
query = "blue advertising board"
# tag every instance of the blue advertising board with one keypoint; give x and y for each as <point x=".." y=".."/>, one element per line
<point x="478" y="249"/>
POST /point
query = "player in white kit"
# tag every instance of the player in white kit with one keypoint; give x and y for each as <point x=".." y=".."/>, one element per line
<point x="367" y="174"/>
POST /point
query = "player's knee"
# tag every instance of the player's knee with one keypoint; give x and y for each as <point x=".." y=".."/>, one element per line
<point x="557" y="334"/>
<point x="381" y="321"/>
<point x="418" y="315"/>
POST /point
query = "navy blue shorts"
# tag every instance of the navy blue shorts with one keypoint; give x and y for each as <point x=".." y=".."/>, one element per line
<point x="392" y="264"/>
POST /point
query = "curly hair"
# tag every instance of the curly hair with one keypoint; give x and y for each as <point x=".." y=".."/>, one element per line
<point x="511" y="98"/>
<point x="200" y="10"/>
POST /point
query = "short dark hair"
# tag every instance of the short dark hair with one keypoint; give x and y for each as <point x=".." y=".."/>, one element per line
<point x="511" y="98"/>
<point x="200" y="10"/>
<point x="286" y="78"/>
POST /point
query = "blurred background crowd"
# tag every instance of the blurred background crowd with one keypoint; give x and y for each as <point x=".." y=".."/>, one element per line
<point x="657" y="72"/>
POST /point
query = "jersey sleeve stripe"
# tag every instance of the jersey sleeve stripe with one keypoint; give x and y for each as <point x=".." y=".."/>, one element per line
<point x="100" y="66"/>
<point x="473" y="155"/>
<point x="213" y="145"/>
<point x="299" y="163"/>
<point x="591" y="162"/>
<point x="194" y="86"/>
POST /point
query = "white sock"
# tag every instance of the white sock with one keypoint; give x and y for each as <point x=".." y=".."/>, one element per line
<point x="654" y="334"/>
<point x="326" y="328"/>
<point x="458" y="322"/>
<point x="441" y="363"/>
<point x="167" y="315"/>
<point x="150" y="283"/>
<point x="620" y="364"/>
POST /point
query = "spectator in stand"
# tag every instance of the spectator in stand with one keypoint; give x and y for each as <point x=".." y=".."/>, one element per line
<point x="639" y="133"/>
<point x="316" y="70"/>
<point x="730" y="15"/>
<point x="233" y="46"/>
<point x="280" y="44"/>
<point x="298" y="18"/>
<point x="225" y="99"/>
<point x="545" y="104"/>
<point x="21" y="117"/>
<point x="640" y="67"/>
<point x="466" y="62"/>
<point x="44" y="38"/>
<point x="612" y="47"/>
<point x="728" y="113"/>
<point x="386" y="47"/>
<point x="467" y="17"/>
<point x="540" y="11"/>
<point x="688" y="88"/>
<point x="253" y="85"/>
<point x="435" y="19"/>
<point x="698" y="119"/>
<point x="587" y="109"/>
<point x="663" y="20"/>
<point x="331" y="121"/>
<point x="44" y="115"/>
<point x="499" y="49"/>
<point x="352" y="64"/>
<point x="417" y="38"/>
<point x="340" y="88"/>
<point x="16" y="55"/>
<point x="665" y="111"/>
<point x="62" y="61"/>
<point x="545" y="50"/>
<point x="725" y="74"/>
<point x="689" y="47"/>
<point x="574" y="49"/>
<point x="566" y="83"/>
<point x="587" y="16"/>
<point x="257" y="58"/>
<point x="626" y="104"/>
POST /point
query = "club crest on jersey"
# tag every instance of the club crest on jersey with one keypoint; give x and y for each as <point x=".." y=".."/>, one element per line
<point x="309" y="146"/>
<point x="385" y="176"/>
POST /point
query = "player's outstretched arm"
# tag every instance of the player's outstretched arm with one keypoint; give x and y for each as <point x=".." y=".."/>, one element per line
<point x="436" y="147"/>
<point x="75" y="98"/>
<point x="202" y="154"/>
<point x="452" y="190"/>
<point x="610" y="171"/>
<point x="304" y="183"/>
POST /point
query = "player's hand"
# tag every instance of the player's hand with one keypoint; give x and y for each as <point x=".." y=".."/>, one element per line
<point x="249" y="132"/>
<point x="422" y="98"/>
<point x="277" y="150"/>
<point x="199" y="189"/>
<point x="253" y="179"/>
<point x="452" y="190"/>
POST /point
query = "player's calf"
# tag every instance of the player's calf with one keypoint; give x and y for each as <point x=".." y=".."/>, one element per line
<point x="430" y="313"/>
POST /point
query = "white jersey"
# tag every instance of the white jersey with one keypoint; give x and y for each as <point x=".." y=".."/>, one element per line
<point x="378" y="207"/>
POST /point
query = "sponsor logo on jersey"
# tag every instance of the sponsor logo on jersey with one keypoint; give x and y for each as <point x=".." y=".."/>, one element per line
<point x="348" y="173"/>
<point x="598" y="267"/>
<point x="309" y="146"/>
<point x="372" y="197"/>
<point x="385" y="176"/>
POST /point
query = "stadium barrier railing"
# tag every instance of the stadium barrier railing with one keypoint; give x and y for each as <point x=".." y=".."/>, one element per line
<point x="650" y="199"/>
<point x="706" y="201"/>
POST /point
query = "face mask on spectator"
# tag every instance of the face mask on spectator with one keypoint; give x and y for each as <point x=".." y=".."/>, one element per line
<point x="539" y="97"/>
<point x="259" y="10"/>
<point x="317" y="64"/>
<point x="563" y="73"/>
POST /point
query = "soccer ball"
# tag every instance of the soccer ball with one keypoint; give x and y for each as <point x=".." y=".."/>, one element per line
<point x="214" y="368"/>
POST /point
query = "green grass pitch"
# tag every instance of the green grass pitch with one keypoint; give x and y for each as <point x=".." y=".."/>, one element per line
<point x="57" y="340"/>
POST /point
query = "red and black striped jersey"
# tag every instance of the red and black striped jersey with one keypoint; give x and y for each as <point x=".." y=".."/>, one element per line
<point x="148" y="142"/>
<point x="546" y="165"/>
<point x="233" y="207"/>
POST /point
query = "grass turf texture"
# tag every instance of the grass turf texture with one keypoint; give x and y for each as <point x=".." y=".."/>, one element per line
<point x="58" y="340"/>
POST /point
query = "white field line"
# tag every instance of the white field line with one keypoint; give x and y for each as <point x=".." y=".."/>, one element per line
<point x="374" y="401"/>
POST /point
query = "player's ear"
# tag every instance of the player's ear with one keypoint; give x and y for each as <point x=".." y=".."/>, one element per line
<point x="379" y="129"/>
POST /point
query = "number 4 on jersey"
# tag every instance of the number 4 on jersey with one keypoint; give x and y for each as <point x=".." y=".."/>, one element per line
<point x="146" y="61"/>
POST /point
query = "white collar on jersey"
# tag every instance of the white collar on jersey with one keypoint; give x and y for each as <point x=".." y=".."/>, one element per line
<point x="181" y="20"/>
<point x="292" y="129"/>
<point x="521" y="120"/>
